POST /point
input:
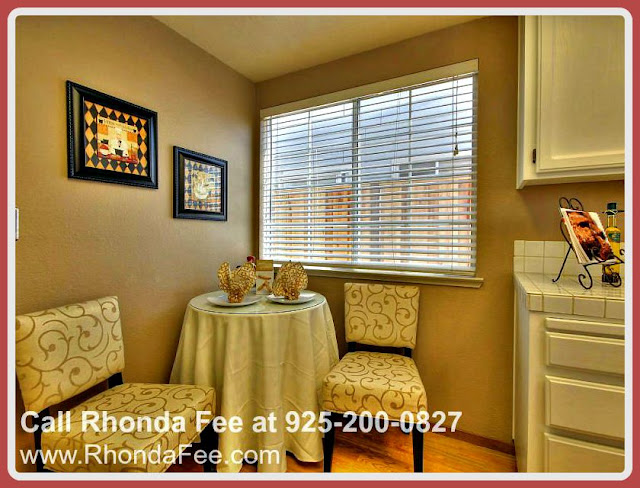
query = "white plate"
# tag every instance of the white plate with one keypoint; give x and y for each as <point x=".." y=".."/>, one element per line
<point x="223" y="301"/>
<point x="305" y="296"/>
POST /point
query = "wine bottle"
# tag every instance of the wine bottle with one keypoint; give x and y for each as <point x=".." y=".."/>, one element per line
<point x="612" y="271"/>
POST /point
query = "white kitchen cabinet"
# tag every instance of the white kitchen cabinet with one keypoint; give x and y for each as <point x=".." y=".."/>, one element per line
<point x="569" y="385"/>
<point x="571" y="99"/>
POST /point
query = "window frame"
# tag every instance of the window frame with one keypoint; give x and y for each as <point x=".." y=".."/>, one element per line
<point x="355" y="272"/>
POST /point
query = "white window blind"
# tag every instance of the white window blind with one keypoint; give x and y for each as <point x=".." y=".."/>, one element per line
<point x="386" y="181"/>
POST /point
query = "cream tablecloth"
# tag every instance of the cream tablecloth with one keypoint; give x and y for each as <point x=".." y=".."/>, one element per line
<point x="261" y="358"/>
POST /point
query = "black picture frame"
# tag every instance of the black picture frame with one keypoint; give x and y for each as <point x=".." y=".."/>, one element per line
<point x="184" y="205"/>
<point x="90" y="159"/>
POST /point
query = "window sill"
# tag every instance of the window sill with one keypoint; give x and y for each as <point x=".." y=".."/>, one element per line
<point x="396" y="276"/>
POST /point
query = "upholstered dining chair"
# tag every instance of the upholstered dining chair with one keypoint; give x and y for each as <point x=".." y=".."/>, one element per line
<point x="374" y="382"/>
<point x="62" y="352"/>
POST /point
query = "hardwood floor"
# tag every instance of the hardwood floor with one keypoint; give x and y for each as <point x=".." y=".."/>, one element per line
<point x="391" y="453"/>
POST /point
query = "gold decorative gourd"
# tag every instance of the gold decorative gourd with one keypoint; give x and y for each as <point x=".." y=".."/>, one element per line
<point x="290" y="281"/>
<point x="238" y="282"/>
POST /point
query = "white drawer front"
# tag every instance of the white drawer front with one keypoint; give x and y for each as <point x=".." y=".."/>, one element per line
<point x="585" y="327"/>
<point x="583" y="406"/>
<point x="564" y="455"/>
<point x="584" y="352"/>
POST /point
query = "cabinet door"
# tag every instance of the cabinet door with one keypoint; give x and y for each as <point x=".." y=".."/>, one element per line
<point x="565" y="455"/>
<point x="585" y="352"/>
<point x="583" y="406"/>
<point x="580" y="93"/>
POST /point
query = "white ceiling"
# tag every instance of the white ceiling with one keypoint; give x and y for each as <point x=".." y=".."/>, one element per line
<point x="264" y="47"/>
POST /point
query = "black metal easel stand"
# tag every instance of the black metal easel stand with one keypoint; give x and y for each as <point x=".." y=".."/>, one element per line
<point x="585" y="279"/>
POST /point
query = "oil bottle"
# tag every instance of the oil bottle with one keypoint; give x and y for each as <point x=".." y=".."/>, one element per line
<point x="611" y="272"/>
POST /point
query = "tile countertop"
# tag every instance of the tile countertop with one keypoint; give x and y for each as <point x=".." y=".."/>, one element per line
<point x="568" y="297"/>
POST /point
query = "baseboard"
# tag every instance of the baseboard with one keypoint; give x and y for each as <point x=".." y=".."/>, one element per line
<point x="506" y="447"/>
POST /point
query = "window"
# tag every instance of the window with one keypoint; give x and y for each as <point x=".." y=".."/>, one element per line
<point x="384" y="181"/>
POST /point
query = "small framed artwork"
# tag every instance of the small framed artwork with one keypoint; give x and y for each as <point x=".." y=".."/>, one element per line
<point x="199" y="186"/>
<point x="110" y="140"/>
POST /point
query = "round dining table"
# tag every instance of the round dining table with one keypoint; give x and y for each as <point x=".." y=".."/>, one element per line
<point x="264" y="359"/>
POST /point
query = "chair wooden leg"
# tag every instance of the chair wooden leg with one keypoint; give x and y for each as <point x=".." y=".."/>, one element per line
<point x="328" y="441"/>
<point x="39" y="463"/>
<point x="37" y="439"/>
<point x="209" y="442"/>
<point x="418" y="449"/>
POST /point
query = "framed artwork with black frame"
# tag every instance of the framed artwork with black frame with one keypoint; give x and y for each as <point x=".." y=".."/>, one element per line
<point x="199" y="186"/>
<point x="110" y="140"/>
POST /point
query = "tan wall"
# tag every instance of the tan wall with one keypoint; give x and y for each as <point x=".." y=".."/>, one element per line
<point x="464" y="349"/>
<point x="80" y="239"/>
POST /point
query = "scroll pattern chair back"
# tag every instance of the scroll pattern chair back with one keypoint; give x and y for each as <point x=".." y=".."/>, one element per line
<point x="381" y="315"/>
<point x="64" y="351"/>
